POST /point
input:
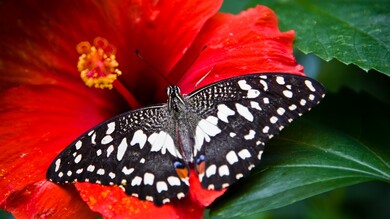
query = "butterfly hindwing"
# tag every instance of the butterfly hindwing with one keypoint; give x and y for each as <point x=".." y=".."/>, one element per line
<point x="131" y="151"/>
<point x="247" y="112"/>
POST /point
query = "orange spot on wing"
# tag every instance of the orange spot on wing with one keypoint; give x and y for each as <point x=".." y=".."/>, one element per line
<point x="200" y="167"/>
<point x="182" y="172"/>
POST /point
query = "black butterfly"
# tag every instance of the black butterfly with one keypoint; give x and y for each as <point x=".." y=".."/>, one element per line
<point x="219" y="130"/>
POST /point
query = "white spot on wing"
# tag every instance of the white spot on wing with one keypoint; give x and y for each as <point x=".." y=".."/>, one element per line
<point x="121" y="149"/>
<point x="224" y="112"/>
<point x="243" y="111"/>
<point x="273" y="119"/>
<point x="223" y="170"/>
<point x="255" y="105"/>
<point x="292" y="107"/>
<point x="259" y="155"/>
<point x="250" y="135"/>
<point x="148" y="178"/>
<point x="138" y="138"/>
<point x="78" y="158"/>
<point x="107" y="139"/>
<point x="100" y="172"/>
<point x="127" y="171"/>
<point x="162" y="142"/>
<point x="110" y="128"/>
<point x="110" y="150"/>
<point x="231" y="157"/>
<point x="199" y="138"/>
<point x="111" y="175"/>
<point x="265" y="129"/>
<point x="265" y="85"/>
<point x="180" y="195"/>
<point x="280" y="80"/>
<point x="78" y="144"/>
<point x="161" y="186"/>
<point x="93" y="138"/>
<point x="205" y="129"/>
<point x="212" y="119"/>
<point x="209" y="128"/>
<point x="280" y="111"/>
<point x="211" y="170"/>
<point x="310" y="85"/>
<point x="58" y="162"/>
<point x="244" y="153"/>
<point x="243" y="85"/>
<point x="173" y="181"/>
<point x="90" y="168"/>
<point x="252" y="93"/>
<point x="165" y="200"/>
<point x="287" y="93"/>
<point x="136" y="181"/>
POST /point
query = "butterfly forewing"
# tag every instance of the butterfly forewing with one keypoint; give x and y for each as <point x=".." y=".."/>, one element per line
<point x="239" y="115"/>
<point x="135" y="151"/>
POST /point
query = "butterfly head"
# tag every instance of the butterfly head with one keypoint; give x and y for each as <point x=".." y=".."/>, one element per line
<point x="175" y="100"/>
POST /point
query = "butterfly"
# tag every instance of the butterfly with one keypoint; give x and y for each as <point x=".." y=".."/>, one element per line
<point x="219" y="130"/>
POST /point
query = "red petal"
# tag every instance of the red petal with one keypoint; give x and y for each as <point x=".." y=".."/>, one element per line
<point x="249" y="42"/>
<point x="47" y="200"/>
<point x="203" y="196"/>
<point x="37" y="123"/>
<point x="162" y="31"/>
<point x="112" y="202"/>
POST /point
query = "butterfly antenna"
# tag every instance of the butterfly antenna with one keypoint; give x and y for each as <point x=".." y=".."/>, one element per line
<point x="152" y="66"/>
<point x="203" y="77"/>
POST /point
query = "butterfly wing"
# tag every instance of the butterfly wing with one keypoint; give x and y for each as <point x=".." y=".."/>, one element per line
<point x="239" y="115"/>
<point x="130" y="151"/>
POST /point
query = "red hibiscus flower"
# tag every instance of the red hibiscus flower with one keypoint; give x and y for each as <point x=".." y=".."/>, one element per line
<point x="44" y="105"/>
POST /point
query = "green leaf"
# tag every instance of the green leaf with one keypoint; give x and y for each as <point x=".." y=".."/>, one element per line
<point x="351" y="31"/>
<point x="341" y="142"/>
<point x="234" y="6"/>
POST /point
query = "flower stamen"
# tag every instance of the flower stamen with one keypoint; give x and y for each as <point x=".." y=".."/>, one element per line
<point x="97" y="63"/>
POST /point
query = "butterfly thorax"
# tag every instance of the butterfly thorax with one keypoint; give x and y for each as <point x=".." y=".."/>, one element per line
<point x="177" y="107"/>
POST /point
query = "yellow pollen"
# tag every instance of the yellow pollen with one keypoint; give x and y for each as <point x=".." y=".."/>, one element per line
<point x="97" y="63"/>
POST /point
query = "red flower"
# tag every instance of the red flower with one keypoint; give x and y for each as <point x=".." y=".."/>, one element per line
<point x="44" y="105"/>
